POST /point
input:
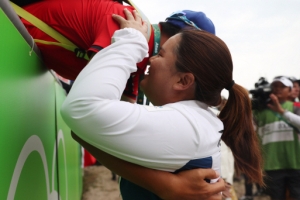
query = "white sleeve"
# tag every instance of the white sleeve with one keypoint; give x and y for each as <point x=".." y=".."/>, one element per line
<point x="292" y="118"/>
<point x="135" y="133"/>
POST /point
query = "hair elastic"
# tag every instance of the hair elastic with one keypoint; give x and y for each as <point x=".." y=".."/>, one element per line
<point x="230" y="85"/>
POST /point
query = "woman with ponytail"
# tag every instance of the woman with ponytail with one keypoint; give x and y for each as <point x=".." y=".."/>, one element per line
<point x="209" y="59"/>
<point x="179" y="132"/>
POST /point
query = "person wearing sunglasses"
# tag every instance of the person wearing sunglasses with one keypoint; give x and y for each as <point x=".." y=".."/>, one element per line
<point x="179" y="132"/>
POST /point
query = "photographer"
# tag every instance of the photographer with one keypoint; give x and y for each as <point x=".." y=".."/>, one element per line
<point x="278" y="126"/>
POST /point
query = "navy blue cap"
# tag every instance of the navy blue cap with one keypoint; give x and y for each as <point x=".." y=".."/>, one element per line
<point x="185" y="18"/>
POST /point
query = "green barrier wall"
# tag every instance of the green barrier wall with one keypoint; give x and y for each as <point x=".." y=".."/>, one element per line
<point x="70" y="178"/>
<point x="39" y="159"/>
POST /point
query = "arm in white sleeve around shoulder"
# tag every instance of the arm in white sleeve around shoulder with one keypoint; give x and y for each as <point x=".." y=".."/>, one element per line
<point x="292" y="118"/>
<point x="110" y="67"/>
<point x="101" y="83"/>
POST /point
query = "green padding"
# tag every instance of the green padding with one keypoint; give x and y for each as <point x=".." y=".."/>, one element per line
<point x="27" y="117"/>
<point x="28" y="124"/>
<point x="69" y="162"/>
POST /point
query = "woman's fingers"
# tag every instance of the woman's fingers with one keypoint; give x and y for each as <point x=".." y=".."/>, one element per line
<point x="137" y="16"/>
<point x="139" y="19"/>
<point x="119" y="19"/>
<point x="217" y="187"/>
<point x="226" y="193"/>
<point x="215" y="197"/>
<point x="195" y="186"/>
<point x="128" y="15"/>
<point x="133" y="20"/>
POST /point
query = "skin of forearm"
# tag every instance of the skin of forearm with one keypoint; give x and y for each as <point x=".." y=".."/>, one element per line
<point x="127" y="99"/>
<point x="188" y="185"/>
<point x="160" y="182"/>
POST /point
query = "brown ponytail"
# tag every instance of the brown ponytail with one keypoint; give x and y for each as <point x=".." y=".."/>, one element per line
<point x="209" y="59"/>
<point x="239" y="134"/>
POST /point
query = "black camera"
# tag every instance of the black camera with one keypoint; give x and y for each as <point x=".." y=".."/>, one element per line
<point x="261" y="94"/>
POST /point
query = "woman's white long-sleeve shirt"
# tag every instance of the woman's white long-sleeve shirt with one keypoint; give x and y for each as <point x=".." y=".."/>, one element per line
<point x="175" y="136"/>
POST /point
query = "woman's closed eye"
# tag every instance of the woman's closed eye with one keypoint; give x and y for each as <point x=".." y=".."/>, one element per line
<point x="160" y="52"/>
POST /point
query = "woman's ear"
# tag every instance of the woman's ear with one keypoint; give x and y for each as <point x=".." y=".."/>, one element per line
<point x="185" y="81"/>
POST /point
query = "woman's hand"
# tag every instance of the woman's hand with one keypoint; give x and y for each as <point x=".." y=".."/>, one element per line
<point x="190" y="185"/>
<point x="275" y="105"/>
<point x="133" y="20"/>
<point x="226" y="193"/>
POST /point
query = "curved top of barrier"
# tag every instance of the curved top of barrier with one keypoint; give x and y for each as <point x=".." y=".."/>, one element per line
<point x="14" y="18"/>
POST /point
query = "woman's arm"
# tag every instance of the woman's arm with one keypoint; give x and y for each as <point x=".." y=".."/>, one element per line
<point x="123" y="97"/>
<point x="93" y="110"/>
<point x="131" y="132"/>
<point x="188" y="185"/>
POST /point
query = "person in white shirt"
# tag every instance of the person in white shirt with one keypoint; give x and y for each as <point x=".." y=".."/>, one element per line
<point x="179" y="132"/>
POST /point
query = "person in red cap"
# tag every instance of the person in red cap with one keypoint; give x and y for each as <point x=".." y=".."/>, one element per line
<point x="88" y="24"/>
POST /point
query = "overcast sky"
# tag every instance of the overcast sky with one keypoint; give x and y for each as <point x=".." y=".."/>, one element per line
<point x="262" y="35"/>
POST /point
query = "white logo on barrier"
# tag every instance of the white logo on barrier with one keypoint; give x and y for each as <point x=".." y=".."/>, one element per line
<point x="34" y="143"/>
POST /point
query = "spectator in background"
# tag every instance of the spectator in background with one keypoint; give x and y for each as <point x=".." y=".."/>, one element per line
<point x="278" y="127"/>
<point x="299" y="94"/>
<point x="249" y="190"/>
<point x="294" y="97"/>
<point x="296" y="90"/>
